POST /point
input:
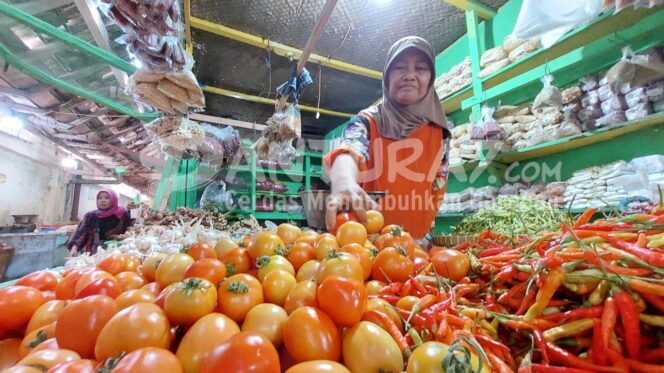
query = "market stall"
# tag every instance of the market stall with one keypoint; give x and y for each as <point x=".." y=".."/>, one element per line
<point x="207" y="162"/>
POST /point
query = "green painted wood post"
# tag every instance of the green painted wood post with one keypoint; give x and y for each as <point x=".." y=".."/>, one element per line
<point x="307" y="173"/>
<point x="474" y="50"/>
<point x="163" y="183"/>
<point x="253" y="168"/>
<point x="191" y="182"/>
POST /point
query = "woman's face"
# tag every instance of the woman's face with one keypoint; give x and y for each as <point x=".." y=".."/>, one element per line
<point x="408" y="77"/>
<point x="103" y="201"/>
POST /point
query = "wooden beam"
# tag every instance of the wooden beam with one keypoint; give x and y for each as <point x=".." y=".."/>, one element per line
<point x="227" y="122"/>
<point x="281" y="49"/>
<point x="23" y="108"/>
<point x="482" y="10"/>
<point x="96" y="26"/>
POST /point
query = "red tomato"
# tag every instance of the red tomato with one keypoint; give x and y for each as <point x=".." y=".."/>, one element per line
<point x="9" y="352"/>
<point x="452" y="264"/>
<point x="310" y="334"/>
<point x="91" y="276"/>
<point x="66" y="289"/>
<point x="41" y="280"/>
<point x="149" y="359"/>
<point x="45" y="314"/>
<point x="161" y="298"/>
<point x="80" y="323"/>
<point x="300" y="253"/>
<point x="153" y="288"/>
<point x="343" y="299"/>
<point x="393" y="263"/>
<point x="100" y="286"/>
<point x="237" y="261"/>
<point x="135" y="327"/>
<point x="17" y="305"/>
<point x="201" y="250"/>
<point x="301" y="295"/>
<point x="245" y="352"/>
<point x="49" y="358"/>
<point x="129" y="280"/>
<point x="76" y="366"/>
<point x="190" y="300"/>
<point x="49" y="344"/>
<point x="342" y="218"/>
<point x="238" y="294"/>
<point x="114" y="263"/>
<point x="210" y="269"/>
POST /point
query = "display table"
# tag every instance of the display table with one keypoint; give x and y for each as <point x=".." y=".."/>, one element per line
<point x="34" y="252"/>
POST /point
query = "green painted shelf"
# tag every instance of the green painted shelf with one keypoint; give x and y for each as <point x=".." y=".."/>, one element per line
<point x="452" y="102"/>
<point x="279" y="194"/>
<point x="279" y="216"/>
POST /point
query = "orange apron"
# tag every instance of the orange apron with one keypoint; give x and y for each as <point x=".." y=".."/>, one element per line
<point x="406" y="169"/>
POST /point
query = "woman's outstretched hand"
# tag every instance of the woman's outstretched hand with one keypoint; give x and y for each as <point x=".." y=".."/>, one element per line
<point x="347" y="194"/>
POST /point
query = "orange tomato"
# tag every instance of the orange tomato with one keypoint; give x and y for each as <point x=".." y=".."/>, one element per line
<point x="171" y="269"/>
<point x="407" y="302"/>
<point x="9" y="352"/>
<point x="397" y="238"/>
<point x="301" y="295"/>
<point x="190" y="300"/>
<point x="81" y="321"/>
<point x="265" y="243"/>
<point x="200" y="250"/>
<point x="374" y="286"/>
<point x="17" y="305"/>
<point x="34" y="338"/>
<point x="210" y="269"/>
<point x="300" y="253"/>
<point x="49" y="344"/>
<point x="65" y="289"/>
<point x="351" y="232"/>
<point x="135" y="327"/>
<point x="224" y="245"/>
<point x="340" y="264"/>
<point x="268" y="320"/>
<point x="75" y="366"/>
<point x="382" y="305"/>
<point x="238" y="294"/>
<point x="393" y="263"/>
<point x="362" y="256"/>
<point x="288" y="233"/>
<point x="308" y="271"/>
<point x="451" y="264"/>
<point x="309" y="237"/>
<point x="375" y="221"/>
<point x="149" y="266"/>
<point x="343" y="299"/>
<point x="49" y="358"/>
<point x="114" y="263"/>
<point x="310" y="334"/>
<point x="91" y="276"/>
<point x="276" y="286"/>
<point x="368" y="348"/>
<point x="318" y="366"/>
<point x="149" y="359"/>
<point x="153" y="288"/>
<point x="131" y="297"/>
<point x="133" y="262"/>
<point x="324" y="245"/>
<point x="45" y="314"/>
<point x="245" y="352"/>
<point x="237" y="261"/>
<point x="202" y="338"/>
<point x="129" y="280"/>
<point x="343" y="218"/>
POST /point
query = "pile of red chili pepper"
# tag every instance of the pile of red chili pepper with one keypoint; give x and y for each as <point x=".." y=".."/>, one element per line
<point x="589" y="298"/>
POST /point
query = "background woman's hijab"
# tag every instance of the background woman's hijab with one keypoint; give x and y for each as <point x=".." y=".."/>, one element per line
<point x="114" y="209"/>
<point x="396" y="121"/>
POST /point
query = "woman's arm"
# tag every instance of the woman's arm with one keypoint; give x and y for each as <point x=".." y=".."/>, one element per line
<point x="80" y="236"/>
<point x="344" y="173"/>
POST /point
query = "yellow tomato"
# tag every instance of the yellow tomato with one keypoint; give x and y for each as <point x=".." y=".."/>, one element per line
<point x="367" y="348"/>
<point x="374" y="286"/>
<point x="224" y="245"/>
<point x="202" y="338"/>
<point x="351" y="232"/>
<point x="324" y="245"/>
<point x="171" y="269"/>
<point x="267" y="264"/>
<point x="267" y="319"/>
<point x="308" y="271"/>
<point x="407" y="302"/>
<point x="288" y="233"/>
<point x="276" y="286"/>
<point x="427" y="358"/>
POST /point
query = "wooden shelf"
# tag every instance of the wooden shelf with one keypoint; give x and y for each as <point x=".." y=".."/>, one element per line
<point x="583" y="139"/>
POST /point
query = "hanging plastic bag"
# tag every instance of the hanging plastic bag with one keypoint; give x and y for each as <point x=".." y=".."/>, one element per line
<point x="622" y="72"/>
<point x="549" y="96"/>
<point x="286" y="124"/>
<point x="649" y="67"/>
<point x="487" y="128"/>
<point x="550" y="20"/>
<point x="178" y="132"/>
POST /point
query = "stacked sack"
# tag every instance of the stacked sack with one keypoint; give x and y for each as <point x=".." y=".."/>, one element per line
<point x="652" y="167"/>
<point x="601" y="185"/>
<point x="462" y="148"/>
<point x="499" y="57"/>
<point x="517" y="49"/>
<point x="515" y="121"/>
<point x="454" y="80"/>
<point x="469" y="200"/>
<point x="552" y="193"/>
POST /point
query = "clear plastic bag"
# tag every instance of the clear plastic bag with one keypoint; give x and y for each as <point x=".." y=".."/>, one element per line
<point x="611" y="118"/>
<point x="589" y="83"/>
<point x="638" y="111"/>
<point x="510" y="43"/>
<point x="616" y="103"/>
<point x="487" y="128"/>
<point x="591" y="99"/>
<point x="574" y="106"/>
<point x="549" y="96"/>
<point x="622" y="4"/>
<point x="655" y="91"/>
<point x="215" y="195"/>
<point x="220" y="146"/>
<point x="524" y="49"/>
<point x="160" y="17"/>
<point x="622" y="72"/>
<point x="570" y="94"/>
<point x="178" y="132"/>
<point x="493" y="55"/>
<point x="658" y="106"/>
<point x="286" y="124"/>
<point x="550" y="20"/>
<point x="636" y="97"/>
<point x="569" y="127"/>
<point x="605" y="93"/>
<point x="539" y="136"/>
<point x="493" y="67"/>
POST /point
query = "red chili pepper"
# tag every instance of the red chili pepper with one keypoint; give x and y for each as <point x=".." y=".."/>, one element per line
<point x="443" y="334"/>
<point x="643" y="287"/>
<point x="584" y="218"/>
<point x="623" y="271"/>
<point x="655" y="301"/>
<point x="415" y="320"/>
<point x="609" y="319"/>
<point x="658" y="220"/>
<point x="506" y="274"/>
<point x="617" y="360"/>
<point x="424" y="303"/>
<point x="539" y="368"/>
<point x="392" y="289"/>
<point x="490" y="343"/>
<point x="540" y="343"/>
<point x="559" y="355"/>
<point x="493" y="251"/>
<point x="383" y="320"/>
<point x="639" y="367"/>
<point x="642" y="241"/>
<point x="606" y="228"/>
<point x="527" y="302"/>
<point x="431" y="289"/>
<point x="497" y="364"/>
<point x="391" y="299"/>
<point x="575" y="314"/>
<point x="551" y="261"/>
<point x="406" y="289"/>
<point x="599" y="355"/>
<point x="653" y="356"/>
<point x="629" y="316"/>
<point x="651" y="257"/>
<point x="417" y="285"/>
<point x="463" y="290"/>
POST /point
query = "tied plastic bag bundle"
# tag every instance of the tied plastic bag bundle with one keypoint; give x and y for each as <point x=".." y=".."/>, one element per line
<point x="539" y="135"/>
<point x="215" y="195"/>
<point x="161" y="17"/>
<point x="589" y="113"/>
<point x="635" y="69"/>
<point x="636" y="97"/>
<point x="548" y="116"/>
<point x="492" y="55"/>
<point x="549" y="96"/>
<point x="605" y="93"/>
<point x="616" y="103"/>
<point x="591" y="99"/>
<point x="655" y="91"/>
<point x="171" y="92"/>
<point x="220" y="146"/>
<point x="589" y="83"/>
<point x="570" y="94"/>
<point x="575" y="106"/>
<point x="178" y="132"/>
<point x="524" y="49"/>
<point x="158" y="53"/>
<point x="639" y="111"/>
<point x="487" y="128"/>
<point x="569" y="127"/>
<point x="286" y="124"/>
<point x="550" y="20"/>
<point x="611" y="118"/>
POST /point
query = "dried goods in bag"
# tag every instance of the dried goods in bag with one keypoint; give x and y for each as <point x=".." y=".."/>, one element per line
<point x="493" y="67"/>
<point x="655" y="91"/>
<point x="511" y="43"/>
<point x="589" y="83"/>
<point x="611" y="118"/>
<point x="614" y="104"/>
<point x="170" y="92"/>
<point x="623" y="72"/>
<point x="286" y="124"/>
<point x="549" y="96"/>
<point x="178" y="132"/>
<point x="570" y="94"/>
<point x="636" y="97"/>
<point x="487" y="128"/>
<point x="639" y="111"/>
<point x="569" y="127"/>
<point x="493" y="55"/>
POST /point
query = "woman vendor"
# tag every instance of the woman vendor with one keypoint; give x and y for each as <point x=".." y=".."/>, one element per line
<point x="398" y="146"/>
<point x="100" y="225"/>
